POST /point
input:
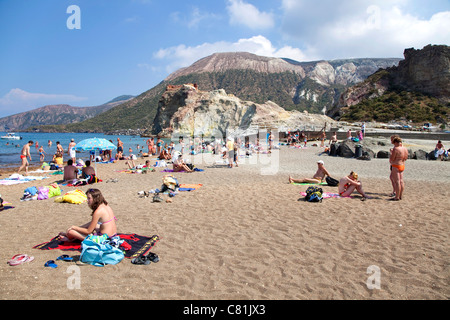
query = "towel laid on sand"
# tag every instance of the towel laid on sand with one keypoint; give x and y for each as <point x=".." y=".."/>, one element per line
<point x="171" y="170"/>
<point x="136" y="245"/>
<point x="17" y="178"/>
<point x="326" y="195"/>
<point x="310" y="184"/>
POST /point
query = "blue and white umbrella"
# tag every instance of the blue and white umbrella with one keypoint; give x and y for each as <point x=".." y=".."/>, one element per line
<point x="94" y="144"/>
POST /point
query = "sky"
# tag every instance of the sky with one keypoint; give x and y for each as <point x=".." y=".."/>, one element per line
<point x="87" y="52"/>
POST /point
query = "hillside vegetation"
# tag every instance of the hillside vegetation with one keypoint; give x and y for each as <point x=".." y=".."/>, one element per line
<point x="398" y="105"/>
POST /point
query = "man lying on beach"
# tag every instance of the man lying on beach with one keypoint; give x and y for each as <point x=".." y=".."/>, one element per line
<point x="350" y="183"/>
<point x="318" y="177"/>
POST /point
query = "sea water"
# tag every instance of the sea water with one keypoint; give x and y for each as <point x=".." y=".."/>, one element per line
<point x="10" y="150"/>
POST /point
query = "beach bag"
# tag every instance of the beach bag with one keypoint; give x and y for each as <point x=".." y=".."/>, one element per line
<point x="169" y="182"/>
<point x="332" y="182"/>
<point x="76" y="196"/>
<point x="97" y="251"/>
<point x="314" y="194"/>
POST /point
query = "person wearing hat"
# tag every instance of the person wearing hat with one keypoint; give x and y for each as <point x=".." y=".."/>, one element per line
<point x="350" y="183"/>
<point x="71" y="150"/>
<point x="318" y="177"/>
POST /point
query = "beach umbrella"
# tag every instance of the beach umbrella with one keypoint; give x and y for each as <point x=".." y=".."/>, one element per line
<point x="94" y="144"/>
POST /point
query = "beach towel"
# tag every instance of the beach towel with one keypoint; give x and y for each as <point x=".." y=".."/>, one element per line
<point x="17" y="178"/>
<point x="310" y="184"/>
<point x="189" y="187"/>
<point x="134" y="245"/>
<point x="171" y="170"/>
<point x="326" y="195"/>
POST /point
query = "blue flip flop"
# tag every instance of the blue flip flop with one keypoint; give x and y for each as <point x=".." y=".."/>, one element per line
<point x="51" y="264"/>
<point x="65" y="257"/>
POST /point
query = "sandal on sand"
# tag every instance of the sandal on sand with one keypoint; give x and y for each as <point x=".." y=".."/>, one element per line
<point x="141" y="260"/>
<point x="153" y="257"/>
<point x="19" y="259"/>
<point x="51" y="264"/>
<point x="65" y="257"/>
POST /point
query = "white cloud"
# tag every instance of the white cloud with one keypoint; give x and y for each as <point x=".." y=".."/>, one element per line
<point x="195" y="18"/>
<point x="361" y="28"/>
<point x="183" y="56"/>
<point x="18" y="100"/>
<point x="242" y="13"/>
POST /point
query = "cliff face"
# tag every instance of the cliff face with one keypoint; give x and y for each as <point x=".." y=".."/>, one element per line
<point x="186" y="110"/>
<point x="426" y="71"/>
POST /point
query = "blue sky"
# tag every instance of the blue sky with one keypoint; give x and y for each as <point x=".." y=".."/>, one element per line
<point x="129" y="46"/>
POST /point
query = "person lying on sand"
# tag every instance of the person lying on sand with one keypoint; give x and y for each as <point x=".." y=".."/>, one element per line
<point x="132" y="165"/>
<point x="318" y="177"/>
<point x="350" y="183"/>
<point x="103" y="219"/>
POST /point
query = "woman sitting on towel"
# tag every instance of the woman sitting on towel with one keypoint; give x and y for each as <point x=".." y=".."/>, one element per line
<point x="179" y="165"/>
<point x="103" y="219"/>
<point x="350" y="183"/>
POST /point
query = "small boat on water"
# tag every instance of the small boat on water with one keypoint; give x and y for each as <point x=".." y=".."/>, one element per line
<point x="11" y="136"/>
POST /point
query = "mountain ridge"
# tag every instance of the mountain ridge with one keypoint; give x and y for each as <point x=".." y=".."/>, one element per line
<point x="56" y="114"/>
<point x="303" y="86"/>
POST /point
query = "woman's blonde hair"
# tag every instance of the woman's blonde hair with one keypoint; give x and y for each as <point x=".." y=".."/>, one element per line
<point x="354" y="175"/>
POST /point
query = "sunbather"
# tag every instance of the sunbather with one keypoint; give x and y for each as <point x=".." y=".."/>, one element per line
<point x="318" y="177"/>
<point x="179" y="165"/>
<point x="103" y="219"/>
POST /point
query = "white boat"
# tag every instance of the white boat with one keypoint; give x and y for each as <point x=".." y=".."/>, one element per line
<point x="11" y="136"/>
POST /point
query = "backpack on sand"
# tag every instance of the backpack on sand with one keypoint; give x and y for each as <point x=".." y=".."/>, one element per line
<point x="314" y="194"/>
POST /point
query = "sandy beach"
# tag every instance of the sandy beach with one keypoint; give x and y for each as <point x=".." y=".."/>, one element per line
<point x="245" y="235"/>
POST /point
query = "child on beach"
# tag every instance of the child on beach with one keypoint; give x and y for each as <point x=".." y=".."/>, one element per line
<point x="103" y="219"/>
<point x="41" y="154"/>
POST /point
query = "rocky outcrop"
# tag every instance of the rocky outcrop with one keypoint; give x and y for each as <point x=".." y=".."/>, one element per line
<point x="426" y="71"/>
<point x="189" y="111"/>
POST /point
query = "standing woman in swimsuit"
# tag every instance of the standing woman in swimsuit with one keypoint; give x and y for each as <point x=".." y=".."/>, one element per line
<point x="398" y="157"/>
<point x="103" y="219"/>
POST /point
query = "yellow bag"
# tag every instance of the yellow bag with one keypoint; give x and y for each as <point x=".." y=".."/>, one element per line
<point x="76" y="196"/>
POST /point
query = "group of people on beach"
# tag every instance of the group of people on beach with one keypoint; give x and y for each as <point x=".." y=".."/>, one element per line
<point x="103" y="220"/>
<point x="348" y="184"/>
